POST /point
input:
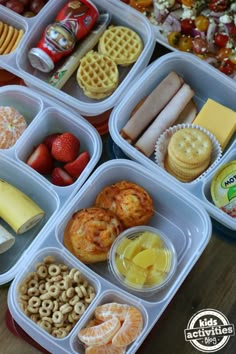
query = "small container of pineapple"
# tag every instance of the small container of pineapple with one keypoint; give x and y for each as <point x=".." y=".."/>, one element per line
<point x="143" y="260"/>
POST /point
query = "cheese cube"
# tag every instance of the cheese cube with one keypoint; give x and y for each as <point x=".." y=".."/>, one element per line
<point x="218" y="119"/>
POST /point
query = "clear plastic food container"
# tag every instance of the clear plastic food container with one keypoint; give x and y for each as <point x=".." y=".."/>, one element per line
<point x="189" y="236"/>
<point x="18" y="63"/>
<point x="43" y="117"/>
<point x="206" y="83"/>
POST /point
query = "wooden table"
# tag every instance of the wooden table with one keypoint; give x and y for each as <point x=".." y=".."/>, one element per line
<point x="210" y="284"/>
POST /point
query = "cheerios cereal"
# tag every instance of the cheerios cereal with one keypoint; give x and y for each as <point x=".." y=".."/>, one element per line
<point x="55" y="297"/>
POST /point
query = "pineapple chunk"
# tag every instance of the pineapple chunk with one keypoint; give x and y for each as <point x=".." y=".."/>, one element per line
<point x="146" y="258"/>
<point x="155" y="277"/>
<point x="136" y="276"/>
<point x="163" y="260"/>
<point x="122" y="265"/>
<point x="132" y="249"/>
<point x="122" y="245"/>
<point x="150" y="240"/>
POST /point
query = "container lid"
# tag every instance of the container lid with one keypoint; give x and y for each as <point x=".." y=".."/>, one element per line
<point x="223" y="188"/>
<point x="40" y="60"/>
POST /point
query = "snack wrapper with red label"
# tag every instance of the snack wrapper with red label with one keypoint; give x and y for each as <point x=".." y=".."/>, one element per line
<point x="72" y="23"/>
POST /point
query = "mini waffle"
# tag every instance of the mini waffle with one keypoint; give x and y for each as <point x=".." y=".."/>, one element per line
<point x="97" y="75"/>
<point x="121" y="44"/>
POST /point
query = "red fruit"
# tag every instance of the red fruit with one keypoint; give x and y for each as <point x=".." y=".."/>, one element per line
<point x="49" y="139"/>
<point x="41" y="160"/>
<point x="60" y="177"/>
<point x="65" y="148"/>
<point x="76" y="167"/>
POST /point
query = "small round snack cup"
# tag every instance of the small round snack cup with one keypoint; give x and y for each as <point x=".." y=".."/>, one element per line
<point x="190" y="169"/>
<point x="143" y="260"/>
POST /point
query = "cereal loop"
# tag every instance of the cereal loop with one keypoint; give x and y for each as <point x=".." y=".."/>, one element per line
<point x="47" y="304"/>
<point x="65" y="308"/>
<point x="79" y="308"/>
<point x="44" y="312"/>
<point x="59" y="333"/>
<point x="33" y="283"/>
<point x="33" y="291"/>
<point x="34" y="302"/>
<point x="53" y="270"/>
<point x="54" y="291"/>
<point x="57" y="317"/>
<point x="42" y="271"/>
<point x="49" y="260"/>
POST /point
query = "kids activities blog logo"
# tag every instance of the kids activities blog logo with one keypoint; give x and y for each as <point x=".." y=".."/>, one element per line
<point x="209" y="330"/>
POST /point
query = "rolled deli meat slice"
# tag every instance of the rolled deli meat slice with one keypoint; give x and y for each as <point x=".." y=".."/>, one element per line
<point x="164" y="120"/>
<point x="152" y="105"/>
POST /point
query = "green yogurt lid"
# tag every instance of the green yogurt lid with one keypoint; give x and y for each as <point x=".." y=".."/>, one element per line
<point x="223" y="188"/>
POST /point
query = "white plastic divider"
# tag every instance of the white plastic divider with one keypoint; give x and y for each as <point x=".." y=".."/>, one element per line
<point x="206" y="83"/>
<point x="182" y="219"/>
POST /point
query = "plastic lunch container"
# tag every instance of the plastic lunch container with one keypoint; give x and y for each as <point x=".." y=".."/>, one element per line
<point x="43" y="117"/>
<point x="207" y="83"/>
<point x="18" y="63"/>
<point x="176" y="214"/>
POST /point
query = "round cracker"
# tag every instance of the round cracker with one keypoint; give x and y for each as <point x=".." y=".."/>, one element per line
<point x="12" y="42"/>
<point x="8" y="39"/>
<point x="190" y="146"/>
<point x="1" y="27"/>
<point x="21" y="32"/>
<point x="4" y="34"/>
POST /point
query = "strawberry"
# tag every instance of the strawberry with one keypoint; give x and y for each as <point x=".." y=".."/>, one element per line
<point x="49" y="139"/>
<point x="65" y="148"/>
<point x="41" y="160"/>
<point x="60" y="177"/>
<point x="76" y="167"/>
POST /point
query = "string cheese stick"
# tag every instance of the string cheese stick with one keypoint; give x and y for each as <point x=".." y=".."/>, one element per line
<point x="146" y="143"/>
<point x="152" y="105"/>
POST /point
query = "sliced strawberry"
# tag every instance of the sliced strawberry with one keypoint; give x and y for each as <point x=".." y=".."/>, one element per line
<point x="65" y="148"/>
<point x="49" y="139"/>
<point x="76" y="167"/>
<point x="41" y="160"/>
<point x="60" y="177"/>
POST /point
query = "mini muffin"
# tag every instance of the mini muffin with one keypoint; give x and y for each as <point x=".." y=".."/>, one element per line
<point x="90" y="233"/>
<point x="130" y="202"/>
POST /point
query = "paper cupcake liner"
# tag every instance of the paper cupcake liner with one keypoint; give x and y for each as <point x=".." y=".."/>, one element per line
<point x="163" y="141"/>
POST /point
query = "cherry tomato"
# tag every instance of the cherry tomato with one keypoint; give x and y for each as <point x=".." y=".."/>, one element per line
<point x="199" y="45"/>
<point x="227" y="67"/>
<point x="173" y="38"/>
<point x="15" y="6"/>
<point x="218" y="5"/>
<point x="187" y="26"/>
<point x="223" y="53"/>
<point x="201" y="22"/>
<point x="140" y="5"/>
<point x="221" y="40"/>
<point x="188" y="3"/>
<point x="185" y="44"/>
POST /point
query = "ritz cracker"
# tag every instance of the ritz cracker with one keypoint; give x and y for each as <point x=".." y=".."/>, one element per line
<point x="73" y="22"/>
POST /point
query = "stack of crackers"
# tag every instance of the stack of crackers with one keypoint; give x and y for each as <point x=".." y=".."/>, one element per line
<point x="10" y="38"/>
<point x="98" y="74"/>
<point x="188" y="154"/>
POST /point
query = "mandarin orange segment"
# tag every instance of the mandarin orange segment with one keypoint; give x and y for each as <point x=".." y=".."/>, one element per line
<point x="107" y="311"/>
<point x="130" y="329"/>
<point x="105" y="349"/>
<point x="100" y="334"/>
<point x="12" y="125"/>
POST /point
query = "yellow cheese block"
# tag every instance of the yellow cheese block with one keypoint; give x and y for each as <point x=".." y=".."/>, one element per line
<point x="218" y="119"/>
